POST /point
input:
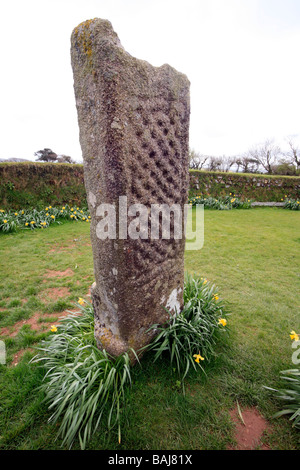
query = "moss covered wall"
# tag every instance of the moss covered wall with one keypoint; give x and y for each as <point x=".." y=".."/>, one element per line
<point x="260" y="188"/>
<point x="39" y="184"/>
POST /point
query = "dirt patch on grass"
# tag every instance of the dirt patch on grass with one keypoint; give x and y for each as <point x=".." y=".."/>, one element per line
<point x="38" y="322"/>
<point x="248" y="435"/>
<point x="19" y="355"/>
<point x="54" y="293"/>
<point x="50" y="274"/>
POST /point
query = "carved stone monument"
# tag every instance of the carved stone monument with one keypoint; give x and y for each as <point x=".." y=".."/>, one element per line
<point x="134" y="127"/>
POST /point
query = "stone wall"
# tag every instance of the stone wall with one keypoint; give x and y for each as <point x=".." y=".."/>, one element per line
<point x="257" y="187"/>
<point x="39" y="184"/>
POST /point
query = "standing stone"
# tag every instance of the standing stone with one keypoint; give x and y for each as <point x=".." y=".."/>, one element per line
<point x="134" y="126"/>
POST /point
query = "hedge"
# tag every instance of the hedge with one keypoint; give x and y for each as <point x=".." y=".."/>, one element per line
<point x="38" y="184"/>
<point x="262" y="188"/>
<point x="33" y="184"/>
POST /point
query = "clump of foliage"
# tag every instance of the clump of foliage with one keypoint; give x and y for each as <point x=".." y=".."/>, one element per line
<point x="292" y="204"/>
<point x="83" y="386"/>
<point x="220" y="203"/>
<point x="190" y="336"/>
<point x="30" y="219"/>
<point x="290" y="395"/>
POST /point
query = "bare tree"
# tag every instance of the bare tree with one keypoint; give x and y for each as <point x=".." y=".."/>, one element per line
<point x="46" y="155"/>
<point x="197" y="160"/>
<point x="294" y="153"/>
<point x="226" y="163"/>
<point x="266" y="154"/>
<point x="248" y="163"/>
<point x="214" y="163"/>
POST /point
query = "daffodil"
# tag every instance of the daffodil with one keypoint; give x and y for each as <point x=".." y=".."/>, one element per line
<point x="26" y="224"/>
<point x="198" y="358"/>
<point x="52" y="217"/>
<point x="32" y="222"/>
<point x="81" y="301"/>
<point x="16" y="213"/>
<point x="53" y="329"/>
<point x="5" y="221"/>
<point x="294" y="336"/>
<point x="222" y="321"/>
<point x="63" y="208"/>
<point x="216" y="297"/>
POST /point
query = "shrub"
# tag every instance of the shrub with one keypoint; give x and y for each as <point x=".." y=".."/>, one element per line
<point x="35" y="218"/>
<point x="290" y="395"/>
<point x="292" y="204"/>
<point x="220" y="203"/>
<point x="82" y="385"/>
<point x="190" y="336"/>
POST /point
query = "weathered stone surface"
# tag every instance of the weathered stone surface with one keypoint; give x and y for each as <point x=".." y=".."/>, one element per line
<point x="134" y="121"/>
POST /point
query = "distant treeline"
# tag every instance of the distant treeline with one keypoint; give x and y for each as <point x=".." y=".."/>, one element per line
<point x="265" y="158"/>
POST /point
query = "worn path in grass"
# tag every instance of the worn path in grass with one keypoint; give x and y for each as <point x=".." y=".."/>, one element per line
<point x="252" y="256"/>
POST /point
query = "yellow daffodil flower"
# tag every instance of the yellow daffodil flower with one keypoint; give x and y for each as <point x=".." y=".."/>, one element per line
<point x="52" y="217"/>
<point x="198" y="358"/>
<point x="5" y="221"/>
<point x="222" y="321"/>
<point x="26" y="224"/>
<point x="81" y="301"/>
<point x="53" y="329"/>
<point x="294" y="336"/>
<point x="16" y="213"/>
<point x="32" y="222"/>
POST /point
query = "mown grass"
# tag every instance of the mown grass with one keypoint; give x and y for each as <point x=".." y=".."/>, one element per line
<point x="252" y="256"/>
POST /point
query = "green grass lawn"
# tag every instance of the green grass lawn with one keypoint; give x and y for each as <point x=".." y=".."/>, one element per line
<point x="253" y="258"/>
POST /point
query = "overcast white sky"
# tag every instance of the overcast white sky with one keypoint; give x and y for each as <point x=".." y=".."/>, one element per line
<point x="241" y="56"/>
